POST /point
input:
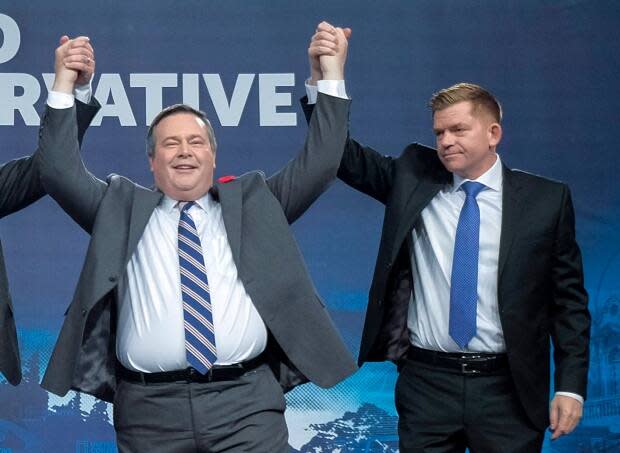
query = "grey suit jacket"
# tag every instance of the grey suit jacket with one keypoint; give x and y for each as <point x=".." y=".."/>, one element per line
<point x="257" y="211"/>
<point x="20" y="187"/>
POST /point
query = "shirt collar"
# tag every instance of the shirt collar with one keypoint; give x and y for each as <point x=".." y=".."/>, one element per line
<point x="169" y="204"/>
<point x="492" y="178"/>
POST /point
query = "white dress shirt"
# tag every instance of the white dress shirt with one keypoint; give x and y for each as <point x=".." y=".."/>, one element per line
<point x="431" y="264"/>
<point x="151" y="335"/>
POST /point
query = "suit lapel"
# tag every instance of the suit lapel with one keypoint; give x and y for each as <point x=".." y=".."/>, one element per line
<point x="144" y="203"/>
<point x="229" y="195"/>
<point x="512" y="206"/>
<point x="418" y="198"/>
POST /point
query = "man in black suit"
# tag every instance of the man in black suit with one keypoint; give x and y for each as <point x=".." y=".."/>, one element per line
<point x="20" y="187"/>
<point x="194" y="310"/>
<point x="478" y="268"/>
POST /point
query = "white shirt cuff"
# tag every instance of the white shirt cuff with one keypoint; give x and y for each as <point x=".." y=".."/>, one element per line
<point x="58" y="100"/>
<point x="83" y="93"/>
<point x="571" y="395"/>
<point x="334" y="88"/>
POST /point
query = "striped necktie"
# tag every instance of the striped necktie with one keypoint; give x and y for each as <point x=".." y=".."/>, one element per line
<point x="198" y="320"/>
<point x="464" y="281"/>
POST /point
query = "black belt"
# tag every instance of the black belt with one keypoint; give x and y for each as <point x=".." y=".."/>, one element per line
<point x="463" y="363"/>
<point x="216" y="373"/>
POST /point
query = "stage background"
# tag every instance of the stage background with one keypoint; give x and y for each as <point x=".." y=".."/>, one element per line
<point x="553" y="64"/>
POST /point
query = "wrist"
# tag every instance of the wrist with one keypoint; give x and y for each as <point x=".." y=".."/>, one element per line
<point x="315" y="76"/>
<point x="63" y="86"/>
<point x="337" y="74"/>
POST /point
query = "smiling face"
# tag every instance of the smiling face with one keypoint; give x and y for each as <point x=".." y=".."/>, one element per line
<point x="183" y="160"/>
<point x="466" y="139"/>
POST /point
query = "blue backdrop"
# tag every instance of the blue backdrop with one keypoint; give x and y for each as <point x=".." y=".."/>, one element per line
<point x="552" y="63"/>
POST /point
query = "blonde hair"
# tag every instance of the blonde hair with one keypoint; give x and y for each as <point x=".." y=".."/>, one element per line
<point x="461" y="92"/>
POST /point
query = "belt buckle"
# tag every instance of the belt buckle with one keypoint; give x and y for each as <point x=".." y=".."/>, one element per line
<point x="193" y="375"/>
<point x="465" y="368"/>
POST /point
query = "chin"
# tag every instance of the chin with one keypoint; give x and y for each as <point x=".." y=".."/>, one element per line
<point x="450" y="166"/>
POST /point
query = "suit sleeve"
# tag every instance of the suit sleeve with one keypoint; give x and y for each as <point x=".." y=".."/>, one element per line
<point x="62" y="172"/>
<point x="362" y="167"/>
<point x="570" y="315"/>
<point x="20" y="184"/>
<point x="300" y="182"/>
<point x="85" y="114"/>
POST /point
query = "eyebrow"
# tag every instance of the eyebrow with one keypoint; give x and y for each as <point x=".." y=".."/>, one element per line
<point x="178" y="138"/>
<point x="452" y="126"/>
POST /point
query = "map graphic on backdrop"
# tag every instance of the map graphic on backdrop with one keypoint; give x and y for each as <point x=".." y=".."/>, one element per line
<point x="552" y="63"/>
<point x="355" y="416"/>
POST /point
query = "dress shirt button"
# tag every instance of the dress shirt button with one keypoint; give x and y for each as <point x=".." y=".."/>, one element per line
<point x="112" y="278"/>
<point x="84" y="312"/>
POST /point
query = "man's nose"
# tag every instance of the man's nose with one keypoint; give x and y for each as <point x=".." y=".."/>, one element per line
<point x="445" y="140"/>
<point x="184" y="149"/>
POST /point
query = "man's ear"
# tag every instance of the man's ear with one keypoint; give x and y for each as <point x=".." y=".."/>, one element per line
<point x="495" y="134"/>
<point x="151" y="164"/>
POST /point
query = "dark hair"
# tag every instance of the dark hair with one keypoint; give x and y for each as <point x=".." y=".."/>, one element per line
<point x="173" y="110"/>
<point x="478" y="96"/>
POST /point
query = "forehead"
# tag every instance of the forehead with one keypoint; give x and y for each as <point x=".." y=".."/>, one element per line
<point x="181" y="123"/>
<point x="461" y="111"/>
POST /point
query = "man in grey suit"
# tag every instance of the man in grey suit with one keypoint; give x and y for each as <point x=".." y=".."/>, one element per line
<point x="20" y="187"/>
<point x="194" y="310"/>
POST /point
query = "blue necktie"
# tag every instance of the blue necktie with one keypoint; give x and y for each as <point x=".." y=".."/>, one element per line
<point x="464" y="283"/>
<point x="198" y="320"/>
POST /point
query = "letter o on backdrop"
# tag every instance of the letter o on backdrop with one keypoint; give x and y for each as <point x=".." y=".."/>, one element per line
<point x="11" y="38"/>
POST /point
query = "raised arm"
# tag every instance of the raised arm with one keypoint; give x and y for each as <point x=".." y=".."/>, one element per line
<point x="20" y="184"/>
<point x="299" y="183"/>
<point x="361" y="167"/>
<point x="61" y="169"/>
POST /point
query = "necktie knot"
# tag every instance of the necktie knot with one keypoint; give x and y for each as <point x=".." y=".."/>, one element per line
<point x="472" y="188"/>
<point x="186" y="205"/>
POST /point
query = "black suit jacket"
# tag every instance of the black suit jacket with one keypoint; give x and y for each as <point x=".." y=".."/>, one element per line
<point x="20" y="187"/>
<point x="540" y="277"/>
